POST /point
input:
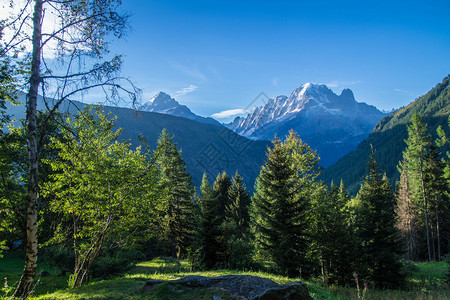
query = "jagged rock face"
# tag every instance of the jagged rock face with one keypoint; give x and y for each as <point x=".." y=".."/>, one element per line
<point x="332" y="124"/>
<point x="163" y="103"/>
<point x="245" y="286"/>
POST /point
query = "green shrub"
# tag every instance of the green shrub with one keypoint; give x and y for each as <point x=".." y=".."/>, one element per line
<point x="408" y="267"/>
<point x="116" y="262"/>
<point x="60" y="257"/>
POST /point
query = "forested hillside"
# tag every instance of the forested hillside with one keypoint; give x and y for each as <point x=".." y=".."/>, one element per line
<point x="205" y="147"/>
<point x="388" y="138"/>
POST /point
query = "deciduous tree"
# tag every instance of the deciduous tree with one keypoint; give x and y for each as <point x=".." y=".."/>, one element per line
<point x="104" y="189"/>
<point x="63" y="63"/>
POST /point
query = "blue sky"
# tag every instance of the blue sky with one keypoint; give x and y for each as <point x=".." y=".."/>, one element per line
<point x="219" y="55"/>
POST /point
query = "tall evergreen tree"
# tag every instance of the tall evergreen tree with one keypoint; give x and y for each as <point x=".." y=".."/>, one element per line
<point x="279" y="211"/>
<point x="236" y="226"/>
<point x="220" y="194"/>
<point x="437" y="192"/>
<point x="414" y="159"/>
<point x="220" y="191"/>
<point x="237" y="210"/>
<point x="379" y="246"/>
<point x="209" y="226"/>
<point x="179" y="209"/>
<point x="332" y="236"/>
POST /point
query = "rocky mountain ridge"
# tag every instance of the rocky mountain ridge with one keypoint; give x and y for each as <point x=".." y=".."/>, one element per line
<point x="330" y="123"/>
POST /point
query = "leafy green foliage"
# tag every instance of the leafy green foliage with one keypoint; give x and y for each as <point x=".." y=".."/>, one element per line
<point x="104" y="189"/>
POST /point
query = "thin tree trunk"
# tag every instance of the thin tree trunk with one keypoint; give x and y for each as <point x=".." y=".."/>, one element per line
<point x="26" y="281"/>
<point x="438" y="233"/>
<point x="426" y="215"/>
<point x="433" y="246"/>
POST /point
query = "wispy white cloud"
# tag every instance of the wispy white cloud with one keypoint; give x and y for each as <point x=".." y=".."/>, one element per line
<point x="229" y="113"/>
<point x="403" y="92"/>
<point x="189" y="70"/>
<point x="186" y="90"/>
<point x="337" y="83"/>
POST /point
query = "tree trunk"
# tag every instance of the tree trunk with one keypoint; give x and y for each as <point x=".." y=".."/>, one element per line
<point x="426" y="215"/>
<point x="26" y="281"/>
<point x="438" y="233"/>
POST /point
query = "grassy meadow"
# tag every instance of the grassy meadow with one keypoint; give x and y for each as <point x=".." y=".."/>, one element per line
<point x="428" y="281"/>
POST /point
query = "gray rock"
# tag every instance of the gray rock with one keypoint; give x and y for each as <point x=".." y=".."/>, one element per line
<point x="246" y="286"/>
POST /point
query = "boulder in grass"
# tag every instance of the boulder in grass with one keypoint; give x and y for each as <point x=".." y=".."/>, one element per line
<point x="245" y="286"/>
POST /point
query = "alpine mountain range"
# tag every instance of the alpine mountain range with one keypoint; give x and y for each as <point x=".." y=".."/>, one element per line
<point x="331" y="124"/>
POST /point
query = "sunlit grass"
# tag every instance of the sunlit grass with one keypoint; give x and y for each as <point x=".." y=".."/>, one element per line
<point x="427" y="282"/>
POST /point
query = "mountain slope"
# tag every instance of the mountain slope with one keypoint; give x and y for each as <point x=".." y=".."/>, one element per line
<point x="332" y="124"/>
<point x="388" y="138"/>
<point x="163" y="103"/>
<point x="205" y="147"/>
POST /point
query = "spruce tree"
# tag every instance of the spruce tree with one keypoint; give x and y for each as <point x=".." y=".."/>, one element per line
<point x="209" y="231"/>
<point x="220" y="192"/>
<point x="414" y="159"/>
<point x="237" y="210"/>
<point x="179" y="209"/>
<point x="380" y="251"/>
<point x="236" y="226"/>
<point x="332" y="236"/>
<point x="437" y="192"/>
<point x="279" y="211"/>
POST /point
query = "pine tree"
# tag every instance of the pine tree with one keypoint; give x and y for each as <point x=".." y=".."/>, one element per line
<point x="236" y="226"/>
<point x="209" y="227"/>
<point x="237" y="210"/>
<point x="414" y="158"/>
<point x="332" y="236"/>
<point x="437" y="193"/>
<point x="220" y="192"/>
<point x="179" y="210"/>
<point x="444" y="206"/>
<point x="279" y="211"/>
<point x="379" y="247"/>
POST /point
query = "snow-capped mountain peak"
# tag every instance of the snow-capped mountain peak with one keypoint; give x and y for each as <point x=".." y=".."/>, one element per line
<point x="313" y="110"/>
<point x="163" y="103"/>
<point x="159" y="103"/>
